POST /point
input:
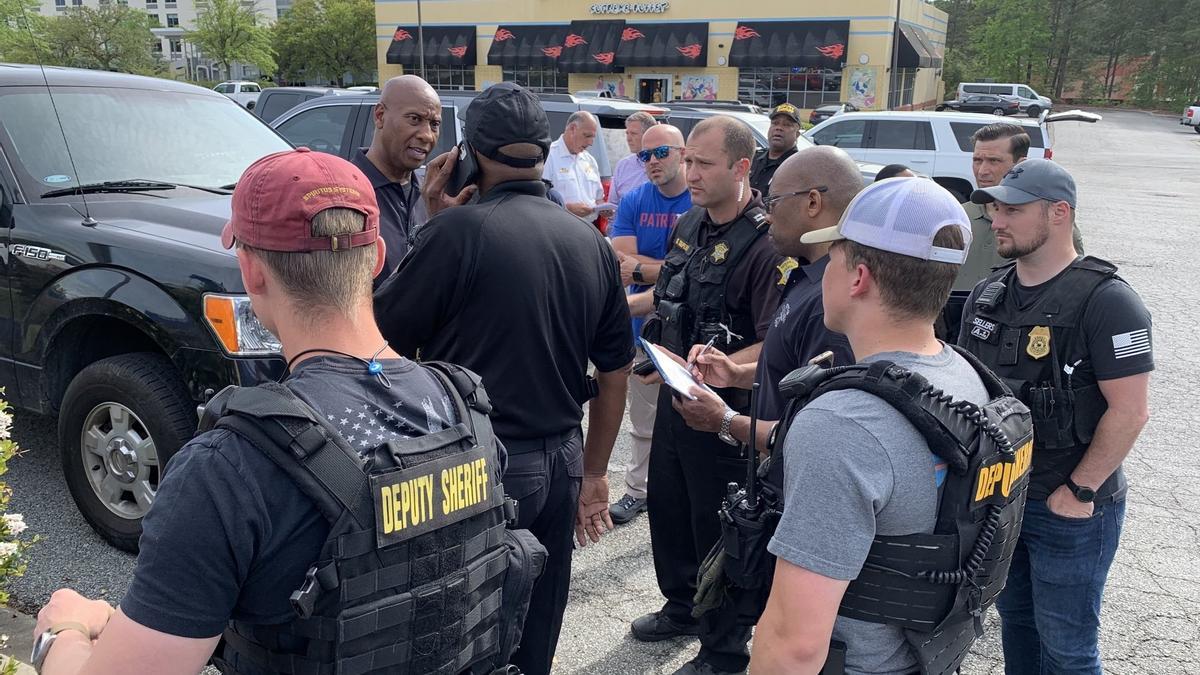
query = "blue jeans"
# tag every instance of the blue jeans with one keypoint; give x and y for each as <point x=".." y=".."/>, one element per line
<point x="1050" y="607"/>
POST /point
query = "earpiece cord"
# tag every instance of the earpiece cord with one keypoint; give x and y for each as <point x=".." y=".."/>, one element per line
<point x="374" y="367"/>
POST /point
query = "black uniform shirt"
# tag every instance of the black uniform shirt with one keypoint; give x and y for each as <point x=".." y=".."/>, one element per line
<point x="401" y="211"/>
<point x="1117" y="335"/>
<point x="230" y="536"/>
<point x="753" y="285"/>
<point x="762" y="169"/>
<point x="797" y="334"/>
<point x="521" y="292"/>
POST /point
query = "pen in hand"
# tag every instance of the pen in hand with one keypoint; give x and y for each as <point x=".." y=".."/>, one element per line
<point x="691" y="365"/>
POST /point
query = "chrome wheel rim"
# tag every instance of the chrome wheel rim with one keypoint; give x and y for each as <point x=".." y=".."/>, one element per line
<point x="120" y="460"/>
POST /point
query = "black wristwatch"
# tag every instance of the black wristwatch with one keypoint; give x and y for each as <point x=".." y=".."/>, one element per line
<point x="1083" y="494"/>
<point x="637" y="274"/>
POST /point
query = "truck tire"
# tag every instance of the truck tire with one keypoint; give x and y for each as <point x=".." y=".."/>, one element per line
<point x="1197" y="129"/>
<point x="121" y="419"/>
<point x="1033" y="111"/>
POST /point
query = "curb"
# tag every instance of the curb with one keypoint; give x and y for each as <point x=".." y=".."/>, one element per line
<point x="17" y="629"/>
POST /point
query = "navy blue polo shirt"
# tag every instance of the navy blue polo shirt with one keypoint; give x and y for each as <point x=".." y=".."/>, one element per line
<point x="796" y="335"/>
<point x="401" y="211"/>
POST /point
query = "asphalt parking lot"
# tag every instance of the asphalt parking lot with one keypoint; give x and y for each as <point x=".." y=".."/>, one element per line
<point x="1139" y="179"/>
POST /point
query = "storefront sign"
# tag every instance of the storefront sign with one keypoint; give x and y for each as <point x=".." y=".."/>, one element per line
<point x="631" y="8"/>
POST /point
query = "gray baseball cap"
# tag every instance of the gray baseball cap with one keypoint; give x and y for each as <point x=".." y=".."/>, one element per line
<point x="1030" y="181"/>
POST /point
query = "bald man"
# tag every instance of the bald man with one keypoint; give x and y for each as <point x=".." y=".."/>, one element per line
<point x="640" y="234"/>
<point x="572" y="170"/>
<point x="809" y="192"/>
<point x="408" y="119"/>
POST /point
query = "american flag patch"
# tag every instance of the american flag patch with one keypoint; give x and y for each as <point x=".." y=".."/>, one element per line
<point x="1133" y="343"/>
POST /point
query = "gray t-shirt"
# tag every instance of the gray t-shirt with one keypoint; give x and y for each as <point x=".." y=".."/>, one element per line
<point x="871" y="473"/>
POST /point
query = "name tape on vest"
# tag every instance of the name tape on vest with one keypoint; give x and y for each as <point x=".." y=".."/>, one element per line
<point x="413" y="501"/>
<point x="997" y="478"/>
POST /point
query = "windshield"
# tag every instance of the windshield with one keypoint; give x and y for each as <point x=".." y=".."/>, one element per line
<point x="122" y="134"/>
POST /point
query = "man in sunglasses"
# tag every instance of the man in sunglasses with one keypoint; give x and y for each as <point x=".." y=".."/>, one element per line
<point x="640" y="234"/>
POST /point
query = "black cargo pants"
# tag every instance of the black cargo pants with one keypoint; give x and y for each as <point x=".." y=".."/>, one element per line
<point x="689" y="472"/>
<point x="544" y="476"/>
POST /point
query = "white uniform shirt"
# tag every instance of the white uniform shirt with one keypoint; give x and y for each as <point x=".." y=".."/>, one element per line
<point x="576" y="177"/>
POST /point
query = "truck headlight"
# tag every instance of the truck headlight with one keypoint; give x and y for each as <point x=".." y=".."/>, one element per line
<point x="237" y="329"/>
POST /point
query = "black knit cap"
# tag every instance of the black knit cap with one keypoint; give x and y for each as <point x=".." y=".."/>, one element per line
<point x="504" y="114"/>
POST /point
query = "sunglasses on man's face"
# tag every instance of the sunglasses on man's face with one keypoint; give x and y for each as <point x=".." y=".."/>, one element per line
<point x="660" y="152"/>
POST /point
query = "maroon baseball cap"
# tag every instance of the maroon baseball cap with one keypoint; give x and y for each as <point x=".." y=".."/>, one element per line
<point x="278" y="196"/>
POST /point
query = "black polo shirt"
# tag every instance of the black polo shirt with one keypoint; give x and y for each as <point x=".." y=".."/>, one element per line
<point x="762" y="169"/>
<point x="400" y="211"/>
<point x="796" y="335"/>
<point x="520" y="291"/>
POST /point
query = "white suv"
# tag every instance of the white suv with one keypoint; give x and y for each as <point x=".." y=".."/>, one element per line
<point x="936" y="144"/>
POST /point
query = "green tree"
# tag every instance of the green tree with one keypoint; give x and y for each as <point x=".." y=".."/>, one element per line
<point x="229" y="32"/>
<point x="1012" y="39"/>
<point x="327" y="38"/>
<point x="23" y="31"/>
<point x="107" y="37"/>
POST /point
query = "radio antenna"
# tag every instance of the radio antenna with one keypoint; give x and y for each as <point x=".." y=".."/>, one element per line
<point x="33" y="43"/>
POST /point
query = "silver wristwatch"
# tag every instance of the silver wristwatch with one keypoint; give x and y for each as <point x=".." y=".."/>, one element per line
<point x="41" y="647"/>
<point x="726" y="423"/>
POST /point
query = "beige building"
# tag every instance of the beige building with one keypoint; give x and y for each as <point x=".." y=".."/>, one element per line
<point x="806" y="52"/>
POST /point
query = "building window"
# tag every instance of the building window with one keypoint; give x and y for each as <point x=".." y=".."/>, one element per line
<point x="901" y="89"/>
<point x="449" y="77"/>
<point x="60" y="3"/>
<point x="538" y="80"/>
<point x="172" y="21"/>
<point x="802" y="87"/>
<point x="155" y="22"/>
<point x="156" y="47"/>
<point x="151" y="5"/>
<point x="176" y="46"/>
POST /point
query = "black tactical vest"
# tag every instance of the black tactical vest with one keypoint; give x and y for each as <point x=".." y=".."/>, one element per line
<point x="690" y="293"/>
<point x="935" y="586"/>
<point x="418" y="573"/>
<point x="1034" y="351"/>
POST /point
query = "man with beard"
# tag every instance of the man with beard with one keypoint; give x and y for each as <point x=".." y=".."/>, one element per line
<point x="718" y="281"/>
<point x="781" y="139"/>
<point x="1073" y="341"/>
<point x="810" y="191"/>
<point x="407" y="120"/>
<point x="640" y="234"/>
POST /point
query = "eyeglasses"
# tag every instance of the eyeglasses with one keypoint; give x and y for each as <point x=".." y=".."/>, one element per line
<point x="660" y="152"/>
<point x="771" y="201"/>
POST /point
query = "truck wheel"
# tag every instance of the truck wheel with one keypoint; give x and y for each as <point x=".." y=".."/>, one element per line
<point x="121" y="420"/>
<point x="1033" y="111"/>
<point x="1197" y="129"/>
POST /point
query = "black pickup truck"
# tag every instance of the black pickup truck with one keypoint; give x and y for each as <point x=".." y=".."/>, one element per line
<point x="122" y="309"/>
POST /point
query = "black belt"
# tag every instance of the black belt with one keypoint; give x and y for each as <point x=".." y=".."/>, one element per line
<point x="547" y="444"/>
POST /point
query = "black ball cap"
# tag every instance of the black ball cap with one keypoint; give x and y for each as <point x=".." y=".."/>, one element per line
<point x="504" y="114"/>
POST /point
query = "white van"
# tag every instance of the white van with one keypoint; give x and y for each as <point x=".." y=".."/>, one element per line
<point x="1030" y="101"/>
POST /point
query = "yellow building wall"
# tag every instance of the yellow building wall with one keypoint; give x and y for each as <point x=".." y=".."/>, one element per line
<point x="868" y="54"/>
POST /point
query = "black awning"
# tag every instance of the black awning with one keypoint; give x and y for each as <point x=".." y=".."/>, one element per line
<point x="916" y="51"/>
<point x="591" y="46"/>
<point x="790" y="44"/>
<point x="664" y="44"/>
<point x="521" y="46"/>
<point x="444" y="46"/>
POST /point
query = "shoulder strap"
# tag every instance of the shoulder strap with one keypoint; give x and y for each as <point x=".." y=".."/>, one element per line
<point x="935" y="415"/>
<point x="305" y="446"/>
<point x="470" y="399"/>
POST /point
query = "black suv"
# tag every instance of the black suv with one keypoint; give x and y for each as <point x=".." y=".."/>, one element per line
<point x="122" y="309"/>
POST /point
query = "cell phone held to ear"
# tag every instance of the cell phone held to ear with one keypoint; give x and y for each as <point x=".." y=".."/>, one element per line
<point x="466" y="171"/>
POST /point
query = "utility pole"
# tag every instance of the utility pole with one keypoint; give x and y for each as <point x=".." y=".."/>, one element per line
<point x="892" y="89"/>
<point x="421" y="41"/>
